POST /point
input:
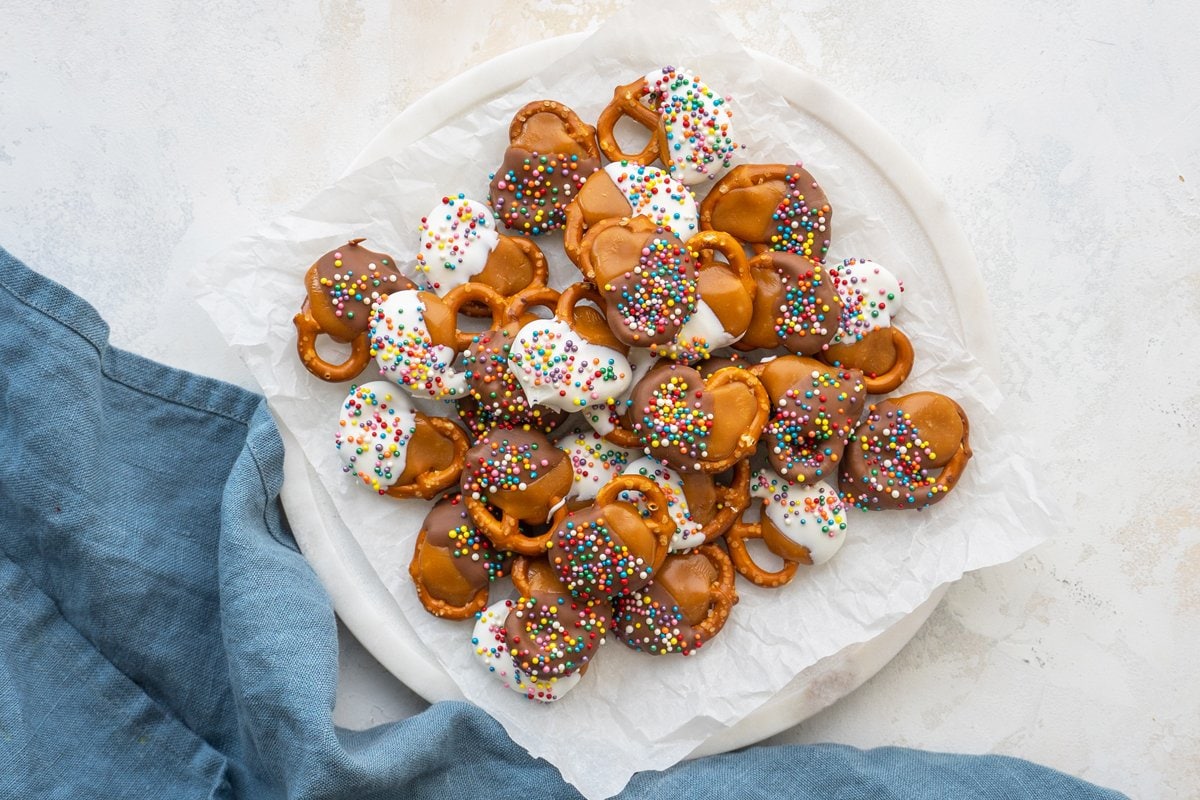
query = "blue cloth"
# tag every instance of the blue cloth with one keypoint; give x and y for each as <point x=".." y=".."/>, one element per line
<point x="161" y="635"/>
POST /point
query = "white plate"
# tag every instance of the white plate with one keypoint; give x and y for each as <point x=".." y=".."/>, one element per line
<point x="364" y="603"/>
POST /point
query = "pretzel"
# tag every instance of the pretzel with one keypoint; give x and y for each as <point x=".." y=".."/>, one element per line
<point x="725" y="304"/>
<point x="564" y="367"/>
<point x="609" y="548"/>
<point x="525" y="478"/>
<point x="428" y="484"/>
<point x="551" y="152"/>
<point x="674" y="415"/>
<point x="735" y="539"/>
<point x="701" y="508"/>
<point x="771" y="207"/>
<point x="595" y="462"/>
<point x="534" y="575"/>
<point x="452" y="565"/>
<point x="885" y="357"/>
<point x="893" y="453"/>
<point x="870" y="295"/>
<point x="341" y="287"/>
<point x="459" y="244"/>
<point x="687" y="122"/>
<point x="684" y="608"/>
<point x="814" y="409"/>
<point x="796" y="305"/>
<point x="629" y="189"/>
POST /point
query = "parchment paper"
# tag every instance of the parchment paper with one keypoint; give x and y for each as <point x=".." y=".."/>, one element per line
<point x="633" y="712"/>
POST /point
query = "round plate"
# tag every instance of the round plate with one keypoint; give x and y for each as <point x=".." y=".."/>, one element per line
<point x="360" y="598"/>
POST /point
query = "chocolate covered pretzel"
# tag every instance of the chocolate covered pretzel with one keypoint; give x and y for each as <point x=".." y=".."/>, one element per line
<point x="392" y="448"/>
<point x="342" y="286"/>
<point x="771" y="207"/>
<point x="453" y="565"/>
<point x="866" y="340"/>
<point x="907" y="454"/>
<point x="551" y="153"/>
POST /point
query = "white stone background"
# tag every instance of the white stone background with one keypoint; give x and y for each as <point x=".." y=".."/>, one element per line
<point x="138" y="138"/>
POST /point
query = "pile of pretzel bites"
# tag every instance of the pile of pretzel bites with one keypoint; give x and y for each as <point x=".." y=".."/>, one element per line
<point x="612" y="433"/>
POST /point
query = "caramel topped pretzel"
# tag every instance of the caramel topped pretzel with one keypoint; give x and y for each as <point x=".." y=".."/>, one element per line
<point x="771" y="207"/>
<point x="524" y="477"/>
<point x="628" y="189"/>
<point x="495" y="395"/>
<point x="647" y="278"/>
<point x="551" y="153"/>
<point x="796" y="305"/>
<point x="866" y="340"/>
<point x="394" y="449"/>
<point x="673" y="412"/>
<point x="686" y="605"/>
<point x="800" y="523"/>
<point x="814" y="410"/>
<point x="908" y="453"/>
<point x="453" y="565"/>
<point x="725" y="300"/>
<point x="460" y="244"/>
<point x="342" y="286"/>
<point x="701" y="508"/>
<point x="609" y="548"/>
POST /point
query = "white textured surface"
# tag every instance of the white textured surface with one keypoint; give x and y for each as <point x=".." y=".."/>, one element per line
<point x="135" y="142"/>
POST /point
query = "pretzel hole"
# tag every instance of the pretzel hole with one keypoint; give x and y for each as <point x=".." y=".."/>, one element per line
<point x="331" y="350"/>
<point x="762" y="555"/>
<point x="627" y="130"/>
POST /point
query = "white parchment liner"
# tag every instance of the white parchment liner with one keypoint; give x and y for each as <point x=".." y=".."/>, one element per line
<point x="633" y="712"/>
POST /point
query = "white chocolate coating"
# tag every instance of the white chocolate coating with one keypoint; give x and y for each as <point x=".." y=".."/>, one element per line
<point x="596" y="462"/>
<point x="559" y="368"/>
<point x="811" y="515"/>
<point x="457" y="237"/>
<point x="870" y="294"/>
<point x="697" y="122"/>
<point x="374" y="429"/>
<point x="491" y="649"/>
<point x="653" y="193"/>
<point x="405" y="353"/>
<point x="699" y="337"/>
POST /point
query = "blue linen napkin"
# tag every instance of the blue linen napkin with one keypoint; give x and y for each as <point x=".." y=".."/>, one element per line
<point x="162" y="636"/>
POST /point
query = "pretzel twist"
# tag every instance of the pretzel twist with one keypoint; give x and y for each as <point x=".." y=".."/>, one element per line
<point x="743" y="562"/>
<point x="435" y="605"/>
<point x="505" y="531"/>
<point x="428" y="484"/>
<point x="541" y="275"/>
<point x="626" y="102"/>
<point x="723" y="595"/>
<point x="307" y="331"/>
<point x="660" y="522"/>
<point x="460" y="295"/>
<point x="576" y="128"/>
<point x="523" y="300"/>
<point x="705" y="242"/>
<point x="948" y="478"/>
<point x="896" y="374"/>
<point x="734" y="500"/>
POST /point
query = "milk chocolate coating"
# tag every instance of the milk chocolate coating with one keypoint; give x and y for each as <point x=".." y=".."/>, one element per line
<point x="456" y="561"/>
<point x="552" y="635"/>
<point x="648" y="281"/>
<point x="676" y="418"/>
<point x="659" y="619"/>
<point x="602" y="551"/>
<point x="796" y="306"/>
<point x="530" y="191"/>
<point x="518" y="471"/>
<point x="814" y="409"/>
<point x="343" y="284"/>
<point x="499" y="400"/>
<point x="899" y="452"/>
